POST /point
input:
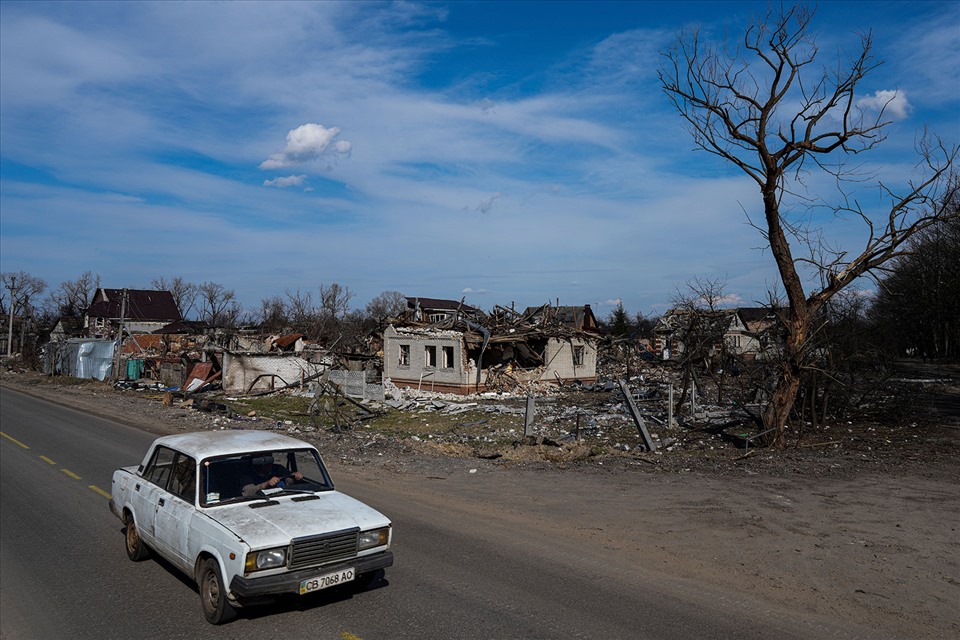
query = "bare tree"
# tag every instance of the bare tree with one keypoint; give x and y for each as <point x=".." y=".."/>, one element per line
<point x="389" y="304"/>
<point x="218" y="305"/>
<point x="24" y="286"/>
<point x="334" y="307"/>
<point x="302" y="312"/>
<point x="73" y="297"/>
<point x="184" y="293"/>
<point x="699" y="327"/>
<point x="774" y="120"/>
<point x="334" y="301"/>
<point x="273" y="315"/>
<point x="17" y="298"/>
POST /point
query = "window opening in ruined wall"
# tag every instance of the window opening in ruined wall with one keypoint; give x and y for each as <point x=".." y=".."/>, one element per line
<point x="430" y="356"/>
<point x="578" y="355"/>
<point x="448" y="357"/>
<point x="404" y="355"/>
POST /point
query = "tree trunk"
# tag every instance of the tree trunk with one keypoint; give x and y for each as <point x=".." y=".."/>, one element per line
<point x="797" y="321"/>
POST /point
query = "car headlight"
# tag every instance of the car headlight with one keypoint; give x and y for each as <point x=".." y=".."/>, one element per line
<point x="266" y="559"/>
<point x="374" y="538"/>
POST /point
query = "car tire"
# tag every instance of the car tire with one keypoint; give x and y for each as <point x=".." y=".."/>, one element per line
<point x="136" y="549"/>
<point x="213" y="594"/>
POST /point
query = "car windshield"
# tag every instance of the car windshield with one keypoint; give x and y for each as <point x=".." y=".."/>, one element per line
<point x="245" y="476"/>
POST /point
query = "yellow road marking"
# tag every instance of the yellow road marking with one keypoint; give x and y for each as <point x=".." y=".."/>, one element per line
<point x="100" y="491"/>
<point x="13" y="440"/>
<point x="66" y="471"/>
<point x="346" y="635"/>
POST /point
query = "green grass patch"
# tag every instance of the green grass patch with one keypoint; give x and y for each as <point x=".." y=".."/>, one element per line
<point x="276" y="407"/>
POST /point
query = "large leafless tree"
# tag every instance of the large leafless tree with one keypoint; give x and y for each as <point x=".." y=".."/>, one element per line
<point x="764" y="105"/>
<point x="388" y="304"/>
<point x="218" y="305"/>
<point x="73" y="297"/>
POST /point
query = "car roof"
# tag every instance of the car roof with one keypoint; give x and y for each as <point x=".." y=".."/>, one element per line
<point x="204" y="444"/>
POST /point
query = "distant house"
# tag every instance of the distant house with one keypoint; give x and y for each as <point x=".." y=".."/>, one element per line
<point x="749" y="331"/>
<point x="141" y="311"/>
<point x="433" y="310"/>
<point x="744" y="331"/>
<point x="68" y="327"/>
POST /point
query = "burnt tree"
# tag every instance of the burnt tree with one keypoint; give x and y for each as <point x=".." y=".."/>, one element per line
<point x="766" y="108"/>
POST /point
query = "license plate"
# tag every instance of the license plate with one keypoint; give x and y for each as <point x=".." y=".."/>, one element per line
<point x="326" y="580"/>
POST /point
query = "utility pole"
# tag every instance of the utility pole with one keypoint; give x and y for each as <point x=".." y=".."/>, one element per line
<point x="123" y="315"/>
<point x="12" y="287"/>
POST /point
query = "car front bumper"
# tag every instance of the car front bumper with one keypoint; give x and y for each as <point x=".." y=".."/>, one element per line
<point x="243" y="588"/>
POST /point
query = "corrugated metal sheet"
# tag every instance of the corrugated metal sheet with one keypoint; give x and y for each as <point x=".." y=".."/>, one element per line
<point x="80" y="358"/>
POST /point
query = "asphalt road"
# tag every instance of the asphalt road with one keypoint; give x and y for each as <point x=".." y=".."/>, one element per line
<point x="64" y="573"/>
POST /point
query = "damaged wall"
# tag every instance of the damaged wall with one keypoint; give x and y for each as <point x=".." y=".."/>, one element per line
<point x="571" y="359"/>
<point x="246" y="372"/>
<point x="432" y="358"/>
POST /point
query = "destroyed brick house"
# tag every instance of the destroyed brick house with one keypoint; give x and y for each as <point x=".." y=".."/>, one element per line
<point x="458" y="353"/>
<point x="746" y="332"/>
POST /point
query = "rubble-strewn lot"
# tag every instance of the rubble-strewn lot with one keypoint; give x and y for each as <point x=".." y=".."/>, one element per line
<point x="909" y="426"/>
<point x="856" y="521"/>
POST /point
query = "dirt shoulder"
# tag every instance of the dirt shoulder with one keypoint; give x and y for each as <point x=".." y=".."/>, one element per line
<point x="862" y="527"/>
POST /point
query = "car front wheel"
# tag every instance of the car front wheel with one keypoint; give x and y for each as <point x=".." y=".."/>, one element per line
<point x="213" y="594"/>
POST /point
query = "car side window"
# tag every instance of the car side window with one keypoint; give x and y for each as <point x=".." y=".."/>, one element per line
<point x="159" y="470"/>
<point x="184" y="479"/>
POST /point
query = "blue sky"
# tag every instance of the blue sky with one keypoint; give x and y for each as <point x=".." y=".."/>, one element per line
<point x="505" y="152"/>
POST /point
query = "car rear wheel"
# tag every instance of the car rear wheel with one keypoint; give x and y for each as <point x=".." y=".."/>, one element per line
<point x="136" y="550"/>
<point x="213" y="594"/>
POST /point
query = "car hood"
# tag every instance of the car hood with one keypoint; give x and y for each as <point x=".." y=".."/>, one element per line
<point x="275" y="525"/>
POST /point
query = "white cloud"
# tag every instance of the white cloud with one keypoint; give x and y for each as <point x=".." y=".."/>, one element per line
<point x="287" y="181"/>
<point x="729" y="300"/>
<point x="305" y="143"/>
<point x="476" y="292"/>
<point x="894" y="104"/>
<point x="612" y="302"/>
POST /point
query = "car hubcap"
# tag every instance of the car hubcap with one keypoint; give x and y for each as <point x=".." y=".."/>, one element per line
<point x="131" y="537"/>
<point x="213" y="592"/>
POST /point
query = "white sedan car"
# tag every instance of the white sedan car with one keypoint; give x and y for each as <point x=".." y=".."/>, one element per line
<point x="248" y="515"/>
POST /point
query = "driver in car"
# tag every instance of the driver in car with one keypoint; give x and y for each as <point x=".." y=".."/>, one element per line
<point x="265" y="474"/>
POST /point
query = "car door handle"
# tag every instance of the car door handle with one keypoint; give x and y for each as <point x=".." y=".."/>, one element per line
<point x="137" y="486"/>
<point x="161" y="503"/>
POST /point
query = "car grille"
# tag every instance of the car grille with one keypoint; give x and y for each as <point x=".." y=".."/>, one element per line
<point x="317" y="550"/>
